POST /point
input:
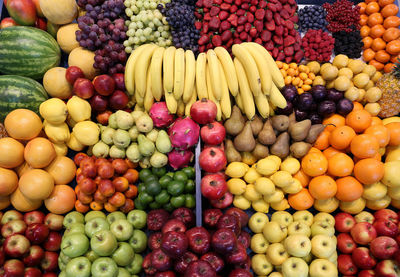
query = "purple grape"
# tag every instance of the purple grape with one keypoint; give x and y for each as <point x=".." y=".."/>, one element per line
<point x="326" y="107"/>
<point x="304" y="101"/>
<point x="315" y="118"/>
<point x="289" y="92"/>
<point x="319" y="93"/>
<point x="300" y="115"/>
<point x="287" y="110"/>
<point x="334" y="95"/>
<point x="344" y="106"/>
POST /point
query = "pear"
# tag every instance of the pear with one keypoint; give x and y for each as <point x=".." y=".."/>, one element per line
<point x="163" y="143"/>
<point x="136" y="114"/>
<point x="281" y="146"/>
<point x="245" y="141"/>
<point x="101" y="150"/>
<point x="107" y="135"/>
<point x="133" y="153"/>
<point x="145" y="162"/>
<point x="146" y="146"/>
<point x="260" y="151"/>
<point x="124" y="120"/>
<point x="117" y="153"/>
<point x="232" y="155"/>
<point x="121" y="139"/>
<point x="292" y="119"/>
<point x="133" y="133"/>
<point x="256" y="125"/>
<point x="112" y="121"/>
<point x="235" y="123"/>
<point x="158" y="159"/>
<point x="299" y="131"/>
<point x="267" y="135"/>
<point x="280" y="122"/>
<point x="299" y="149"/>
<point x="152" y="135"/>
<point x="144" y="123"/>
<point x="314" y="132"/>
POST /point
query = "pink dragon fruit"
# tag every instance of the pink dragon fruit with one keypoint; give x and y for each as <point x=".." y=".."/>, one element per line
<point x="179" y="158"/>
<point x="184" y="133"/>
<point x="160" y="115"/>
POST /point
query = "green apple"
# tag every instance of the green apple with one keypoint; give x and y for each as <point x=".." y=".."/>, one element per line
<point x="322" y="246"/>
<point x="304" y="216"/>
<point x="91" y="255"/>
<point x="61" y="264"/>
<point x="75" y="228"/>
<point x="257" y="222"/>
<point x="308" y="258"/>
<point x="115" y="216"/>
<point x="73" y="217"/>
<point x="138" y="241"/>
<point x="103" y="243"/>
<point x="282" y="217"/>
<point x="294" y="267"/>
<point x="325" y="217"/>
<point x="75" y="245"/>
<point x="275" y="274"/>
<point x="322" y="267"/>
<point x="136" y="265"/>
<point x="277" y="254"/>
<point x="298" y="245"/>
<point x="299" y="228"/>
<point x="137" y="218"/>
<point x="333" y="258"/>
<point x="274" y="232"/>
<point x="121" y="229"/>
<point x="322" y="228"/>
<point x="364" y="217"/>
<point x="104" y="267"/>
<point x="259" y="244"/>
<point x="96" y="224"/>
<point x="62" y="274"/>
<point x="94" y="214"/>
<point x="78" y="267"/>
<point x="122" y="272"/>
<point x="261" y="265"/>
<point x="63" y="258"/>
<point x="124" y="254"/>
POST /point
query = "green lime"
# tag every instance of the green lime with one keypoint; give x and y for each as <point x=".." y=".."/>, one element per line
<point x="151" y="178"/>
<point x="178" y="201"/>
<point x="175" y="187"/>
<point x="164" y="180"/>
<point x="154" y="205"/>
<point x="163" y="197"/>
<point x="180" y="176"/>
<point x="168" y="207"/>
<point x="171" y="174"/>
<point x="144" y="173"/>
<point x="159" y="172"/>
<point x="190" y="186"/>
<point x="141" y="187"/>
<point x="190" y="201"/>
<point x="153" y="187"/>
<point x="139" y="205"/>
<point x="189" y="171"/>
<point x="145" y="198"/>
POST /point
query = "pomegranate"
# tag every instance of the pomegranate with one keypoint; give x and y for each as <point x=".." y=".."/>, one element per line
<point x="213" y="133"/>
<point x="212" y="159"/>
<point x="203" y="111"/>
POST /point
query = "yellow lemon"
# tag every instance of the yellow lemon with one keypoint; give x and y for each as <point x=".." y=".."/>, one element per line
<point x="236" y="186"/>
<point x="374" y="191"/>
<point x="281" y="205"/>
<point x="353" y="207"/>
<point x="240" y="202"/>
<point x="251" y="194"/>
<point x="290" y="165"/>
<point x="326" y="205"/>
<point x="274" y="197"/>
<point x="282" y="178"/>
<point x="267" y="166"/>
<point x="54" y="110"/>
<point x="394" y="192"/>
<point x="87" y="132"/>
<point x="251" y="175"/>
<point x="275" y="158"/>
<point x="264" y="186"/>
<point x="391" y="177"/>
<point x="294" y="187"/>
<point x="236" y="169"/>
<point x="260" y="206"/>
<point x="379" y="204"/>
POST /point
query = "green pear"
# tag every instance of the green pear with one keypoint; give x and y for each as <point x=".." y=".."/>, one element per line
<point x="144" y="123"/>
<point x="112" y="121"/>
<point x="158" y="160"/>
<point x="107" y="135"/>
<point x="152" y="135"/>
<point x="121" y="139"/>
<point x="136" y="114"/>
<point x="116" y="152"/>
<point x="133" y="133"/>
<point x="163" y="143"/>
<point x="101" y="149"/>
<point x="124" y="120"/>
<point x="133" y="153"/>
<point x="146" y="146"/>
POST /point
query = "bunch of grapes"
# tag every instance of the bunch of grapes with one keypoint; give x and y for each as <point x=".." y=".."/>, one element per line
<point x="102" y="30"/>
<point x="180" y="16"/>
<point x="146" y="24"/>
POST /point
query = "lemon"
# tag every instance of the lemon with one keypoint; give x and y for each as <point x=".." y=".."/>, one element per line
<point x="294" y="187"/>
<point x="251" y="175"/>
<point x="260" y="206"/>
<point x="61" y="149"/>
<point x="264" y="186"/>
<point x="87" y="132"/>
<point x="379" y="204"/>
<point x="393" y="192"/>
<point x="393" y="155"/>
<point x="275" y="159"/>
<point x="240" y="202"/>
<point x="251" y="194"/>
<point x="346" y="72"/>
<point x="282" y="178"/>
<point x="281" y="205"/>
<point x="390" y="178"/>
<point x="54" y="111"/>
<point x="274" y="197"/>
<point x="236" y="186"/>
<point x="74" y="144"/>
<point x="79" y="109"/>
<point x="290" y="165"/>
<point x="361" y="80"/>
<point x="236" y="169"/>
<point x="375" y="191"/>
<point x="267" y="166"/>
<point x="327" y="205"/>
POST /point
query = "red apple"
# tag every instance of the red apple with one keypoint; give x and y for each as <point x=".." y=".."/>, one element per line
<point x="83" y="88"/>
<point x="88" y="168"/>
<point x="73" y="73"/>
<point x="363" y="259"/>
<point x="50" y="274"/>
<point x="386" y="228"/>
<point x="54" y="221"/>
<point x="346" y="265"/>
<point x="104" y="85"/>
<point x="16" y="245"/>
<point x="344" y="222"/>
<point x="50" y="261"/>
<point x="37" y="233"/>
<point x="387" y="214"/>
<point x="345" y="243"/>
<point x="32" y="272"/>
<point x="53" y="241"/>
<point x="10" y="216"/>
<point x="99" y="103"/>
<point x="224" y="202"/>
<point x="363" y="233"/>
<point x="14" y="268"/>
<point x="387" y="268"/>
<point x="173" y="225"/>
<point x="7" y="22"/>
<point x="119" y="81"/>
<point x="102" y="118"/>
<point x="13" y="227"/>
<point x="128" y="206"/>
<point x="35" y="256"/>
<point x="34" y="217"/>
<point x="118" y="100"/>
<point x="383" y="248"/>
<point x="366" y="273"/>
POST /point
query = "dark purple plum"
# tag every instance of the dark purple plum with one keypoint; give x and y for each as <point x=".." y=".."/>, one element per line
<point x="314" y="106"/>
<point x="326" y="108"/>
<point x="344" y="106"/>
<point x="334" y="95"/>
<point x="304" y="101"/>
<point x="289" y="92"/>
<point x="315" y="118"/>
<point x="319" y="93"/>
<point x="287" y="110"/>
<point x="300" y="115"/>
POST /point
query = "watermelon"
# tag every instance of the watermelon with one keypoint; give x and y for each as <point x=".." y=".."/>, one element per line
<point x="17" y="92"/>
<point x="27" y="51"/>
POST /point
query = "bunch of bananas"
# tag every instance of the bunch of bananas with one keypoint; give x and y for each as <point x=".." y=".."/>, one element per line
<point x="252" y="78"/>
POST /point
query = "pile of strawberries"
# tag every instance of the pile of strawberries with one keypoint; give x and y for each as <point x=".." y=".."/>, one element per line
<point x="227" y="22"/>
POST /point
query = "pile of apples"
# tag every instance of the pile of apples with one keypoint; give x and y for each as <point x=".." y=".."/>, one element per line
<point x="283" y="244"/>
<point x="103" y="183"/>
<point x="98" y="245"/>
<point x="369" y="244"/>
<point x="179" y="249"/>
<point x="31" y="242"/>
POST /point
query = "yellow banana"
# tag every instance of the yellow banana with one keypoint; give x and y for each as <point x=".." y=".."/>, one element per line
<point x="262" y="65"/>
<point x="156" y="73"/>
<point x="139" y="99"/>
<point x="212" y="61"/>
<point x="277" y="98"/>
<point x="170" y="100"/>
<point x="190" y="74"/>
<point x="181" y="108"/>
<point x="141" y="67"/>
<point x="262" y="105"/>
<point x="168" y="69"/>
<point x="130" y="69"/>
<point x="211" y="95"/>
<point x="179" y="73"/>
<point x="249" y="66"/>
<point x="229" y="69"/>
<point x="148" y="97"/>
<point x="189" y="104"/>
<point x="225" y="98"/>
<point x="245" y="93"/>
<point x="273" y="68"/>
<point x="201" y="84"/>
<point x="239" y="102"/>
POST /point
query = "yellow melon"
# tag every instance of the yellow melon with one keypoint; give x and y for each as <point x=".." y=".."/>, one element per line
<point x="56" y="84"/>
<point x="66" y="37"/>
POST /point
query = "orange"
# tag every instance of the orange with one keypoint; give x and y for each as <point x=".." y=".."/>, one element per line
<point x="377" y="31"/>
<point x="391" y="34"/>
<point x="340" y="165"/>
<point x="367" y="42"/>
<point x="383" y="3"/>
<point x="363" y="19"/>
<point x="369" y="171"/>
<point x="389" y="10"/>
<point x="388" y="67"/>
<point x="359" y="120"/>
<point x="314" y="164"/>
<point x="322" y="141"/>
<point x="379" y="66"/>
<point x="395" y="58"/>
<point x="301" y="200"/>
<point x="322" y="187"/>
<point x="364" y="146"/>
<point x="80" y="207"/>
<point x="378" y="44"/>
<point x="394" y="131"/>
<point x="382" y="56"/>
<point x="393" y="47"/>
<point x="372" y="7"/>
<point x="362" y="6"/>
<point x="61" y="200"/>
<point x="357" y="106"/>
<point x="368" y="54"/>
<point x="330" y="152"/>
<point x="391" y="21"/>
<point x="341" y="137"/>
<point x="376" y="121"/>
<point x="364" y="31"/>
<point x="334" y="121"/>
<point x="302" y="177"/>
<point x="380" y="132"/>
<point x="314" y="150"/>
<point x="110" y="208"/>
<point x="375" y="19"/>
<point x="348" y="189"/>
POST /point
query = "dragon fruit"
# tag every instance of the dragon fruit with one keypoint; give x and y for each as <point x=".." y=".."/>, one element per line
<point x="160" y="115"/>
<point x="179" y="158"/>
<point x="184" y="133"/>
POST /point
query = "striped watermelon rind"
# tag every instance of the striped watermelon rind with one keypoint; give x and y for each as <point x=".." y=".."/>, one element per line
<point x="27" y="51"/>
<point x="17" y="92"/>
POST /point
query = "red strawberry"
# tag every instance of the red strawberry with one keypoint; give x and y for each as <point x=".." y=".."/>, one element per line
<point x="216" y="40"/>
<point x="226" y="35"/>
<point x="207" y="3"/>
<point x="233" y="9"/>
<point x="214" y="11"/>
<point x="225" y="25"/>
<point x="265" y="35"/>
<point x="258" y="24"/>
<point x="259" y="14"/>
<point x="225" y="6"/>
<point x="250" y="17"/>
<point x="223" y="15"/>
<point x="214" y="23"/>
<point x="233" y="19"/>
<point x="253" y="32"/>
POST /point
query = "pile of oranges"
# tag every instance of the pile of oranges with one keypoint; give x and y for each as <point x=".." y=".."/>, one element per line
<point x="381" y="35"/>
<point x="344" y="168"/>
